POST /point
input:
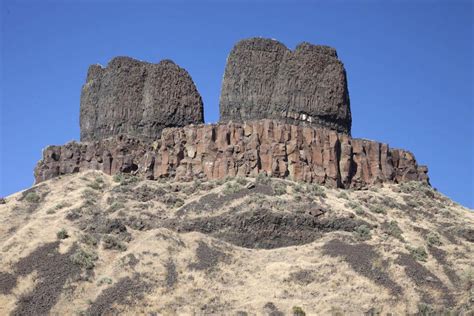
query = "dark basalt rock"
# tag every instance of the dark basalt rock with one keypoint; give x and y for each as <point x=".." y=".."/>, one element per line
<point x="138" y="99"/>
<point x="307" y="86"/>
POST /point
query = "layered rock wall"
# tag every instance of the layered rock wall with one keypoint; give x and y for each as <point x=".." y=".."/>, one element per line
<point x="138" y="99"/>
<point x="239" y="149"/>
<point x="265" y="80"/>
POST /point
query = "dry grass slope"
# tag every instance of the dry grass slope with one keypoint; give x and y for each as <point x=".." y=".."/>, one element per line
<point x="90" y="244"/>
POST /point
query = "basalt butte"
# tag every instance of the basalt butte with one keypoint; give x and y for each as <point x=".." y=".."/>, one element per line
<point x="284" y="113"/>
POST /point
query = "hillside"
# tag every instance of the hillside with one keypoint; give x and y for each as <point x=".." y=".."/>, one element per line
<point x="89" y="243"/>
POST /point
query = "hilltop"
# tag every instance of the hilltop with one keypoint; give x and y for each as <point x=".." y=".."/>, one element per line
<point x="89" y="243"/>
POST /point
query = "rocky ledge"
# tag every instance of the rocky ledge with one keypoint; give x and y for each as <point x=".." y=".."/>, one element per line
<point x="300" y="153"/>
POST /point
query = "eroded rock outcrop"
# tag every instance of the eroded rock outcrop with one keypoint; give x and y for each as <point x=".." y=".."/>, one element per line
<point x="138" y="99"/>
<point x="265" y="80"/>
<point x="300" y="153"/>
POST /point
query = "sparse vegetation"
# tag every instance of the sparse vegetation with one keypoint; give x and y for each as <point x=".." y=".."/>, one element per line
<point x="317" y="190"/>
<point x="279" y="188"/>
<point x="90" y="196"/>
<point x="298" y="311"/>
<point x="425" y="310"/>
<point x="262" y="178"/>
<point x="241" y="181"/>
<point x="362" y="232"/>
<point x="62" y="205"/>
<point x="355" y="206"/>
<point x="84" y="258"/>
<point x="32" y="197"/>
<point x="389" y="202"/>
<point x="231" y="188"/>
<point x="377" y="208"/>
<point x="89" y="240"/>
<point x="104" y="280"/>
<point x="433" y="239"/>
<point x="343" y="195"/>
<point x="62" y="234"/>
<point x="418" y="253"/>
<point x="97" y="184"/>
<point x="111" y="242"/>
<point x="125" y="178"/>
<point x="393" y="229"/>
<point x="116" y="206"/>
<point x="299" y="187"/>
<point x="178" y="203"/>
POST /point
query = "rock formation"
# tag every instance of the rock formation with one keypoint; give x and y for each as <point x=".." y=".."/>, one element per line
<point x="265" y="80"/>
<point x="240" y="149"/>
<point x="284" y="113"/>
<point x="138" y="99"/>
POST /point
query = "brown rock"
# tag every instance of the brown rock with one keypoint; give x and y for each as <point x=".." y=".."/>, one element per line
<point x="244" y="149"/>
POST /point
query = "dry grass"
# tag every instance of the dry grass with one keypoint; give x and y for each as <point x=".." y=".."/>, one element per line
<point x="125" y="232"/>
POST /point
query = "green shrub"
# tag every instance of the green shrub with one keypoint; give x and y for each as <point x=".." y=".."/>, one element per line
<point x="317" y="190"/>
<point x="32" y="197"/>
<point x="178" y="203"/>
<point x="394" y="230"/>
<point x="125" y="178"/>
<point x="116" y="206"/>
<point x="343" y="195"/>
<point x="89" y="240"/>
<point x="62" y="205"/>
<point x="279" y="188"/>
<point x="241" y="181"/>
<point x="231" y="188"/>
<point x="50" y="211"/>
<point x="425" y="310"/>
<point x="84" y="258"/>
<point x="90" y="196"/>
<point x="262" y="178"/>
<point x="97" y="184"/>
<point x="355" y="206"/>
<point x="378" y="209"/>
<point x="300" y="188"/>
<point x="418" y="253"/>
<point x="389" y="202"/>
<point x="362" y="232"/>
<point x="111" y="242"/>
<point x="298" y="311"/>
<point x="433" y="239"/>
<point x="62" y="234"/>
<point x="104" y="280"/>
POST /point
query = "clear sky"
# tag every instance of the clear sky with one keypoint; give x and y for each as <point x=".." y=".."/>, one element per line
<point x="409" y="65"/>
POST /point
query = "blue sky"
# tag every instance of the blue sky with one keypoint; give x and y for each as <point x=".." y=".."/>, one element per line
<point x="409" y="65"/>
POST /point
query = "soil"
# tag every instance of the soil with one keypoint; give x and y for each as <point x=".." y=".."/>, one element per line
<point x="7" y="282"/>
<point x="440" y="256"/>
<point x="124" y="292"/>
<point x="53" y="270"/>
<point x="171" y="274"/>
<point x="207" y="257"/>
<point x="361" y="258"/>
<point x="425" y="280"/>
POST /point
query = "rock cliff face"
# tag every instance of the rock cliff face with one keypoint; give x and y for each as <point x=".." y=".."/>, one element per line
<point x="265" y="80"/>
<point x="240" y="149"/>
<point x="138" y="99"/>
